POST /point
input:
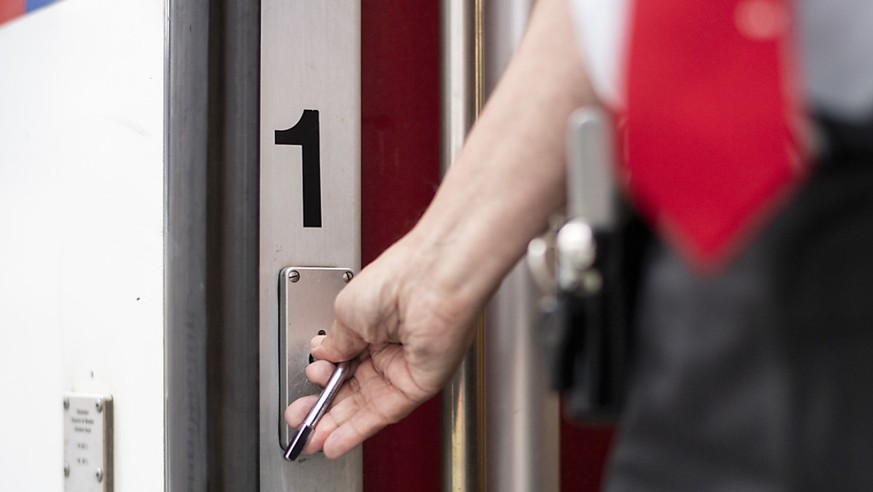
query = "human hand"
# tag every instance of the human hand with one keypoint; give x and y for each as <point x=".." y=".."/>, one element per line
<point x="408" y="333"/>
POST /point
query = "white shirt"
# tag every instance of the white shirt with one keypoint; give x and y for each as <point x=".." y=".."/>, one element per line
<point x="836" y="41"/>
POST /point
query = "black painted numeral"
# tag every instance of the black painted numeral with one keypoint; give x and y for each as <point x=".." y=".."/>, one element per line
<point x="305" y="133"/>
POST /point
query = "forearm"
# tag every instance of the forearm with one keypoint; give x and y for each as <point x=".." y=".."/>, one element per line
<point x="509" y="178"/>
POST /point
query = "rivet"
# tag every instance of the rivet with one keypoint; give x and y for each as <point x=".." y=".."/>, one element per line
<point x="99" y="475"/>
<point x="99" y="405"/>
<point x="66" y="469"/>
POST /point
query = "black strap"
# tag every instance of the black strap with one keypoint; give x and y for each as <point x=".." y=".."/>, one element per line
<point x="844" y="141"/>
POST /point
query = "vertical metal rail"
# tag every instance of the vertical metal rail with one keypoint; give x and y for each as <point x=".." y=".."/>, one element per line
<point x="522" y="419"/>
<point x="232" y="241"/>
<point x="522" y="414"/>
<point x="211" y="245"/>
<point x="463" y="453"/>
<point x="186" y="144"/>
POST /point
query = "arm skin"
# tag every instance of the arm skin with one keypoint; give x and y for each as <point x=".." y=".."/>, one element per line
<point x="408" y="317"/>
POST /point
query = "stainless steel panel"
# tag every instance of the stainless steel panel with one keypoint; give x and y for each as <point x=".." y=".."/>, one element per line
<point x="310" y="60"/>
<point x="306" y="298"/>
<point x="87" y="443"/>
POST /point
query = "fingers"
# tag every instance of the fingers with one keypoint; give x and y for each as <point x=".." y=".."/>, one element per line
<point x="365" y="314"/>
<point x="340" y="344"/>
<point x="365" y="404"/>
<point x="319" y="372"/>
<point x="296" y="413"/>
<point x="355" y="419"/>
<point x="315" y="342"/>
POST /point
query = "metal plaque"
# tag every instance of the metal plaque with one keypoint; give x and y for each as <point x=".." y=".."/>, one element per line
<point x="87" y="443"/>
<point x="309" y="209"/>
<point x="306" y="298"/>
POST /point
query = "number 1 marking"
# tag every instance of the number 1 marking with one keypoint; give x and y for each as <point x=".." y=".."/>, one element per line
<point x="305" y="134"/>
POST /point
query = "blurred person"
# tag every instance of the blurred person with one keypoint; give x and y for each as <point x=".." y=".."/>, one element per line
<point x="754" y="335"/>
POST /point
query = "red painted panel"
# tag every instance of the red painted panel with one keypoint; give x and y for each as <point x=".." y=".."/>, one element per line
<point x="400" y="173"/>
<point x="10" y="9"/>
<point x="584" y="452"/>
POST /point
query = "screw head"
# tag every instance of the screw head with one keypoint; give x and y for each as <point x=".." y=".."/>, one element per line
<point x="66" y="469"/>
<point x="99" y="475"/>
<point x="347" y="276"/>
<point x="66" y="403"/>
<point x="293" y="276"/>
<point x="99" y="405"/>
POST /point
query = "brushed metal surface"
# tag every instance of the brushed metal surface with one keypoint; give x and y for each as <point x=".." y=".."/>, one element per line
<point x="305" y="307"/>
<point x="310" y="60"/>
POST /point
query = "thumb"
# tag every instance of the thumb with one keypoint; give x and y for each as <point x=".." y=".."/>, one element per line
<point x="340" y="343"/>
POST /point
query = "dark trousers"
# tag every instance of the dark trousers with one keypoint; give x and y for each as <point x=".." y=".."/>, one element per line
<point x="761" y="377"/>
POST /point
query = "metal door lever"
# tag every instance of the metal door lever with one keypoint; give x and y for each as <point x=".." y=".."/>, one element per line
<point x="321" y="405"/>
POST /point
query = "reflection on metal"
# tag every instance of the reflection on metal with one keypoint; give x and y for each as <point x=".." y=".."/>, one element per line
<point x="590" y="152"/>
<point x="461" y="52"/>
<point x="463" y="452"/>
<point x="88" y="443"/>
<point x="522" y="423"/>
<point x="463" y="414"/>
<point x="306" y="297"/>
<point x="522" y="413"/>
<point x="310" y="134"/>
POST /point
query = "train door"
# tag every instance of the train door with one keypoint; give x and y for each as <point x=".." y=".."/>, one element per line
<point x="164" y="167"/>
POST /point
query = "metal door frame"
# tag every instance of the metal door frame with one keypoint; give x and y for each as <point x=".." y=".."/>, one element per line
<point x="211" y="244"/>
